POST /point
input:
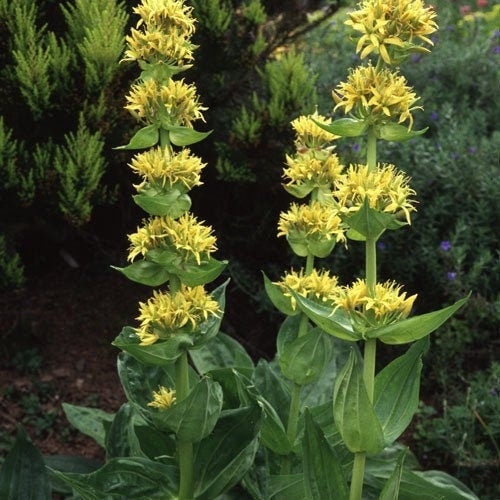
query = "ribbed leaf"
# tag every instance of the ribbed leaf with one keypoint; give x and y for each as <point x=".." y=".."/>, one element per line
<point x="323" y="473"/>
<point x="353" y="412"/>
<point x="144" y="138"/>
<point x="23" y="475"/>
<point x="222" y="459"/>
<point x="193" y="418"/>
<point x="397" y="391"/>
<point x="92" y="422"/>
<point x="416" y="327"/>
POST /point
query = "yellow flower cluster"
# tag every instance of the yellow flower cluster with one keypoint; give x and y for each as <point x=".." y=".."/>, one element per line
<point x="386" y="189"/>
<point x="164" y="314"/>
<point x="171" y="103"/>
<point x="167" y="26"/>
<point x="166" y="14"/>
<point x="390" y="27"/>
<point x="315" y="221"/>
<point x="309" y="134"/>
<point x="312" y="168"/>
<point x="318" y="285"/>
<point x="376" y="95"/>
<point x="160" y="167"/>
<point x="163" y="399"/>
<point x="188" y="237"/>
<point x="386" y="305"/>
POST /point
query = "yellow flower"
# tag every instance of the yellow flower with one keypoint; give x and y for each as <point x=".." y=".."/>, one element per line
<point x="155" y="46"/>
<point x="163" y="399"/>
<point x="312" y="169"/>
<point x="164" y="315"/>
<point x="171" y="103"/>
<point x="387" y="305"/>
<point x="318" y="285"/>
<point x="167" y="15"/>
<point x="310" y="135"/>
<point x="386" y="188"/>
<point x="390" y="28"/>
<point x="379" y="96"/>
<point x="188" y="237"/>
<point x="160" y="167"/>
<point x="311" y="229"/>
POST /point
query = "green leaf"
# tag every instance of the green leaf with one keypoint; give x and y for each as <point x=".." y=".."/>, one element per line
<point x="298" y="190"/>
<point x="371" y="223"/>
<point x="289" y="486"/>
<point x="135" y="477"/>
<point x="68" y="463"/>
<point x="334" y="323"/>
<point x="416" y="485"/>
<point x="271" y="384"/>
<point x="23" y="475"/>
<point x="416" y="327"/>
<point x="193" y="418"/>
<point x="391" y="487"/>
<point x="323" y="473"/>
<point x="160" y="353"/>
<point x="220" y="352"/>
<point x="172" y="202"/>
<point x="184" y="136"/>
<point x="200" y="274"/>
<point x="345" y="127"/>
<point x="353" y="412"/>
<point x="273" y="434"/>
<point x="223" y="458"/>
<point x="396" y="394"/>
<point x="278" y="298"/>
<point x="303" y="359"/>
<point x="398" y="133"/>
<point x="144" y="138"/>
<point x="139" y="380"/>
<point x="145" y="272"/>
<point x="121" y="440"/>
<point x="92" y="422"/>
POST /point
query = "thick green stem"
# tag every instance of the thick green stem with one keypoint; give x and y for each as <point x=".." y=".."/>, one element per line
<point x="358" y="473"/>
<point x="184" y="448"/>
<point x="370" y="351"/>
<point x="371" y="149"/>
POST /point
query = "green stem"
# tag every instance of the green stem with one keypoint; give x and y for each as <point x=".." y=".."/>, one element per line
<point x="293" y="414"/>
<point x="371" y="149"/>
<point x="358" y="472"/>
<point x="184" y="448"/>
<point x="370" y="350"/>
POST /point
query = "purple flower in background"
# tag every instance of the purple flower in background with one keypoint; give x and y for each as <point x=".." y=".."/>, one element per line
<point x="473" y="150"/>
<point x="445" y="246"/>
<point x="381" y="245"/>
<point x="496" y="49"/>
<point x="356" y="147"/>
<point x="434" y="116"/>
<point x="451" y="275"/>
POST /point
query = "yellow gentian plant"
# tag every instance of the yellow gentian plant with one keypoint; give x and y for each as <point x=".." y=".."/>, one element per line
<point x="372" y="409"/>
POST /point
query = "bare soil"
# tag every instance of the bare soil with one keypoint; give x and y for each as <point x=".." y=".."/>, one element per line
<point x="56" y="347"/>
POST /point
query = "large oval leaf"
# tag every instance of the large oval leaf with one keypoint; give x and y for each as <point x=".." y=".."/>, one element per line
<point x="353" y="412"/>
<point x="145" y="272"/>
<point x="144" y="138"/>
<point x="416" y="327"/>
<point x="334" y="323"/>
<point x="397" y="391"/>
<point x="184" y="136"/>
<point x="193" y="418"/>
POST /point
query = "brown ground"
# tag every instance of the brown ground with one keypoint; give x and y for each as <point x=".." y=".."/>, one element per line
<point x="70" y="319"/>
